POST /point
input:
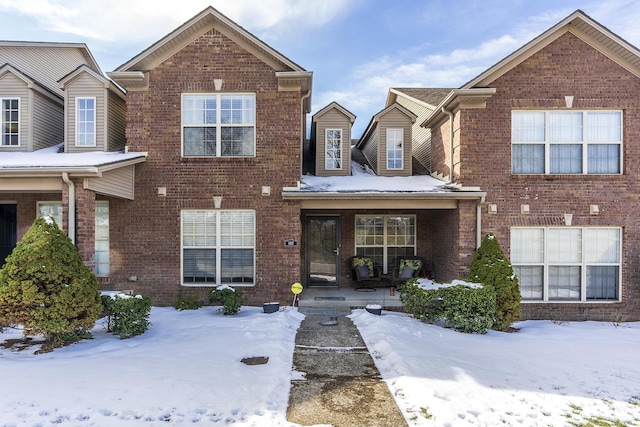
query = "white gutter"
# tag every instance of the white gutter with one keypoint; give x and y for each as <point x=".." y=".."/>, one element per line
<point x="72" y="207"/>
<point x="479" y="221"/>
<point x="450" y="114"/>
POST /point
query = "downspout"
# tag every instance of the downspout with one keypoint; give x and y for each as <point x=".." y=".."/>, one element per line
<point x="72" y="207"/>
<point x="450" y="114"/>
<point x="303" y="134"/>
<point x="479" y="222"/>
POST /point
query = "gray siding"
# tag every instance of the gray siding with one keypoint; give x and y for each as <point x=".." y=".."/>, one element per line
<point x="48" y="122"/>
<point x="333" y="119"/>
<point x="116" y="122"/>
<point x="394" y="119"/>
<point x="85" y="86"/>
<point x="421" y="139"/>
<point x="370" y="150"/>
<point x="117" y="183"/>
<point x="13" y="87"/>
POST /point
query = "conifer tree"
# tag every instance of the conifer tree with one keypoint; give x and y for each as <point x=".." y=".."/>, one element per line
<point x="490" y="267"/>
<point x="45" y="287"/>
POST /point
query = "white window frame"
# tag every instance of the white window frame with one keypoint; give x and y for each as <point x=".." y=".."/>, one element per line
<point x="392" y="137"/>
<point x="86" y="126"/>
<point x="9" y="124"/>
<point x="541" y="254"/>
<point x="386" y="238"/>
<point x="215" y="240"/>
<point x="333" y="154"/>
<point x="102" y="243"/>
<point x="52" y="209"/>
<point x="584" y="141"/>
<point x="188" y="121"/>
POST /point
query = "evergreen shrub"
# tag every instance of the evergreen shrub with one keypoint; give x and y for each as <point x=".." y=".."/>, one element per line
<point x="127" y="315"/>
<point x="228" y="297"/>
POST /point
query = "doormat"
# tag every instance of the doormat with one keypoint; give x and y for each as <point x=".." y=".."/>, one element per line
<point x="329" y="298"/>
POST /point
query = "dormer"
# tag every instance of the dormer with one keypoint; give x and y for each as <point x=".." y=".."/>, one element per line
<point x="331" y="140"/>
<point x="95" y="110"/>
<point x="386" y="143"/>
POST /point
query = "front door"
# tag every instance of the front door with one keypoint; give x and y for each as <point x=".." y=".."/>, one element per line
<point x="323" y="251"/>
<point x="8" y="231"/>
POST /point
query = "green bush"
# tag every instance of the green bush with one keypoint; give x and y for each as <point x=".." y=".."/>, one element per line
<point x="466" y="309"/>
<point x="228" y="297"/>
<point x="187" y="303"/>
<point x="492" y="268"/>
<point x="45" y="287"/>
<point x="127" y="315"/>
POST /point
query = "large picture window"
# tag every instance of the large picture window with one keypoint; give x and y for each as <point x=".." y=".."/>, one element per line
<point x="10" y="121"/>
<point x="566" y="142"/>
<point x="333" y="155"/>
<point x="218" y="125"/>
<point x="568" y="263"/>
<point x="86" y="122"/>
<point x="218" y="247"/>
<point x="386" y="239"/>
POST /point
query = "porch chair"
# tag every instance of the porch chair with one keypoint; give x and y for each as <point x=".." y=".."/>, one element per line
<point x="363" y="270"/>
<point x="408" y="268"/>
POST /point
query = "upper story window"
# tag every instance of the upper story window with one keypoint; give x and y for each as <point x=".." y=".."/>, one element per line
<point x="566" y="142"/>
<point x="218" y="125"/>
<point x="86" y="122"/>
<point x="10" y="121"/>
<point x="395" y="139"/>
<point x="333" y="155"/>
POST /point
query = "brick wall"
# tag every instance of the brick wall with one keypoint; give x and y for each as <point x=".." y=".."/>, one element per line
<point x="567" y="66"/>
<point x="145" y="233"/>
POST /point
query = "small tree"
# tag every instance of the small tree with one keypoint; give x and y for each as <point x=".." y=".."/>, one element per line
<point x="45" y="287"/>
<point x="490" y="267"/>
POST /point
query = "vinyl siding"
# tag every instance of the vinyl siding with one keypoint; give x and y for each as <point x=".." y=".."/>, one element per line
<point x="421" y="138"/>
<point x="13" y="87"/>
<point x="117" y="183"/>
<point x="333" y="119"/>
<point x="48" y="122"/>
<point x="116" y="122"/>
<point x="370" y="150"/>
<point x="394" y="119"/>
<point x="85" y="86"/>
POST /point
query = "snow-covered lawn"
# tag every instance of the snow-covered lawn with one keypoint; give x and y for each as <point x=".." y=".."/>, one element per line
<point x="187" y="370"/>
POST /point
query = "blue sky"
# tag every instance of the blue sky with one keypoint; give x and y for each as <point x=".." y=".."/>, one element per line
<point x="357" y="49"/>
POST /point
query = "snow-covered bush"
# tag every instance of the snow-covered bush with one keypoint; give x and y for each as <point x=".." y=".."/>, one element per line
<point x="463" y="307"/>
<point x="45" y="287"/>
<point x="127" y="315"/>
<point x="492" y="268"/>
<point x="228" y="297"/>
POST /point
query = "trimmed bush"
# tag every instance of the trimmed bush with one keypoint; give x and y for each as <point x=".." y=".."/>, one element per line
<point x="228" y="297"/>
<point x="127" y="315"/>
<point x="463" y="308"/>
<point x="187" y="303"/>
<point x="45" y="287"/>
<point x="492" y="268"/>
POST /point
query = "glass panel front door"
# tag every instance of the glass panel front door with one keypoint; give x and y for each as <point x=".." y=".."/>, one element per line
<point x="323" y="253"/>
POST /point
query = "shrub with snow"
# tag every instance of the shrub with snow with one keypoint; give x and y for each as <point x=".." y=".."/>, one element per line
<point x="228" y="297"/>
<point x="127" y="315"/>
<point x="45" y="287"/>
<point x="492" y="268"/>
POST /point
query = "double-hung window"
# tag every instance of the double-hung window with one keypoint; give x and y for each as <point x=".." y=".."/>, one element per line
<point x="333" y="155"/>
<point x="394" y="148"/>
<point x="218" y="247"/>
<point x="567" y="263"/>
<point x="218" y="125"/>
<point x="386" y="239"/>
<point x="566" y="142"/>
<point x="86" y="122"/>
<point x="10" y="121"/>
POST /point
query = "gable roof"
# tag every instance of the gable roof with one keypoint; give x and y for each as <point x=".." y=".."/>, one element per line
<point x="84" y="69"/>
<point x="580" y="25"/>
<point x="429" y="97"/>
<point x="29" y="82"/>
<point x="373" y="124"/>
<point x="334" y="106"/>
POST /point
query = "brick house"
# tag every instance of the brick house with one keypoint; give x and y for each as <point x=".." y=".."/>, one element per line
<point x="216" y="182"/>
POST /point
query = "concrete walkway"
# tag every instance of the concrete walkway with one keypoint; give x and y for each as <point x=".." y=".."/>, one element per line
<point x="339" y="383"/>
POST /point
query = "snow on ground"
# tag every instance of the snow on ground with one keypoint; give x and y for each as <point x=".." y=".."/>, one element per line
<point x="186" y="370"/>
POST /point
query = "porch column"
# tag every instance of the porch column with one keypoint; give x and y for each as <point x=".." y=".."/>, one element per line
<point x="85" y="224"/>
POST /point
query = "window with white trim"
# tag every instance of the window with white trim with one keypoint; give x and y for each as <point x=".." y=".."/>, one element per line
<point x="395" y="153"/>
<point x="10" y="122"/>
<point x="102" y="264"/>
<point x="218" y="247"/>
<point x="86" y="122"/>
<point x="218" y="125"/>
<point x="567" y="263"/>
<point x="386" y="239"/>
<point x="566" y="142"/>
<point x="52" y="210"/>
<point x="333" y="151"/>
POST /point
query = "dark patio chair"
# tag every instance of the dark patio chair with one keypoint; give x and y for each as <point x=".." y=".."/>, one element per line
<point x="363" y="270"/>
<point x="408" y="268"/>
